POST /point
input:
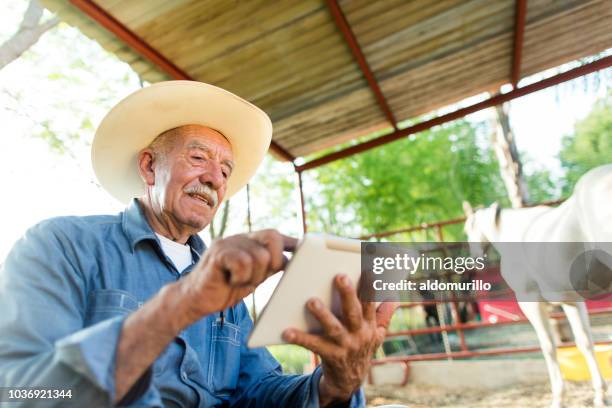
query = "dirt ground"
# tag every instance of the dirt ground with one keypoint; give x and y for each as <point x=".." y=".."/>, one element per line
<point x="578" y="395"/>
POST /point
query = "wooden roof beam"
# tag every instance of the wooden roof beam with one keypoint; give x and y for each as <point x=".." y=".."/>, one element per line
<point x="144" y="49"/>
<point x="351" y="41"/>
<point x="139" y="45"/>
<point x="498" y="99"/>
<point x="519" y="33"/>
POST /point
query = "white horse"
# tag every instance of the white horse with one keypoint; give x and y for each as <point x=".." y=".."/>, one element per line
<point x="584" y="217"/>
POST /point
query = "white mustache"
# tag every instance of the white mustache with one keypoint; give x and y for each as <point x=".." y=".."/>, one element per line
<point x="204" y="190"/>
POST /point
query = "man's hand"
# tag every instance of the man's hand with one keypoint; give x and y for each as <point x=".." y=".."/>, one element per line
<point x="229" y="270"/>
<point x="347" y="346"/>
<point x="232" y="268"/>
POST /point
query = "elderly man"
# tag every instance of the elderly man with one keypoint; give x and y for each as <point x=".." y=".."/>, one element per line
<point x="130" y="309"/>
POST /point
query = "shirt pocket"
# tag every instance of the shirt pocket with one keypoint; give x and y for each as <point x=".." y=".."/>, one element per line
<point x="105" y="304"/>
<point x="224" y="365"/>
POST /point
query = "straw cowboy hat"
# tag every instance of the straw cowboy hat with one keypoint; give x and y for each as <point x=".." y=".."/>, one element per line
<point x="139" y="118"/>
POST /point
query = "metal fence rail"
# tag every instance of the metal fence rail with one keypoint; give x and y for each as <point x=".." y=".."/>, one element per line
<point x="456" y="326"/>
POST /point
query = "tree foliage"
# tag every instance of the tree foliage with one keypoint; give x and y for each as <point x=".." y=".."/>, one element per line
<point x="423" y="178"/>
<point x="29" y="32"/>
<point x="64" y="96"/>
<point x="590" y="145"/>
<point x="274" y="197"/>
<point x="542" y="186"/>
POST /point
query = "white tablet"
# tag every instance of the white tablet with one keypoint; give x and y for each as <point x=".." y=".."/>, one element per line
<point x="310" y="273"/>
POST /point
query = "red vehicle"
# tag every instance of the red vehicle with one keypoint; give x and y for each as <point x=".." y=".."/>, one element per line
<point x="495" y="311"/>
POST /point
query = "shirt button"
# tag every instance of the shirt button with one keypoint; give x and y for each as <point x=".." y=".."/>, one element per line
<point x="184" y="376"/>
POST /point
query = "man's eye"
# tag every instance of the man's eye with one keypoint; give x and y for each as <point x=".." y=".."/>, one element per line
<point x="225" y="175"/>
<point x="197" y="157"/>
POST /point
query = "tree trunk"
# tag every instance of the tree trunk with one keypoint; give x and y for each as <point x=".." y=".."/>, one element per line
<point x="510" y="165"/>
<point x="29" y="32"/>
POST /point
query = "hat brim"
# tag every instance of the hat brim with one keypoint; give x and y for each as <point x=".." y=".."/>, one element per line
<point x="142" y="116"/>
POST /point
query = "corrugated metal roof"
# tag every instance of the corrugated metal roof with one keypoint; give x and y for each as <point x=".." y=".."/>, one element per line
<point x="289" y="57"/>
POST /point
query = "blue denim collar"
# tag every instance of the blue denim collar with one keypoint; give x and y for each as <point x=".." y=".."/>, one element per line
<point x="137" y="228"/>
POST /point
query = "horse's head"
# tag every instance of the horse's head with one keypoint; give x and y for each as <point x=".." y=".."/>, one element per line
<point x="480" y="226"/>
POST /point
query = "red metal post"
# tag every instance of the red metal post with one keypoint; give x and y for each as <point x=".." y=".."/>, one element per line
<point x="113" y="25"/>
<point x="351" y="41"/>
<point x="453" y="298"/>
<point x="594" y="66"/>
<point x="455" y="314"/>
<point x="143" y="48"/>
<point x="439" y="233"/>
<point x="519" y="33"/>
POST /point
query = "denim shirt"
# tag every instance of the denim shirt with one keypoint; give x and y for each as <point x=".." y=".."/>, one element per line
<point x="65" y="290"/>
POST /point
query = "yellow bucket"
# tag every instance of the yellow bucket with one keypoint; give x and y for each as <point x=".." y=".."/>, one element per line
<point x="574" y="367"/>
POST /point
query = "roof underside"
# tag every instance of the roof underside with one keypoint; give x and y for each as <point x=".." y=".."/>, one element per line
<point x="289" y="57"/>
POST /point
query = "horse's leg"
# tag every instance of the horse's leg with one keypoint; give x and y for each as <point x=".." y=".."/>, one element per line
<point x="537" y="315"/>
<point x="578" y="317"/>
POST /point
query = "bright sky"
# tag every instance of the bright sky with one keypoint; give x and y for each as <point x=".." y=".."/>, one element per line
<point x="39" y="184"/>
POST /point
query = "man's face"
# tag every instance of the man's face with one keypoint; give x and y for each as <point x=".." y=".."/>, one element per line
<point x="190" y="182"/>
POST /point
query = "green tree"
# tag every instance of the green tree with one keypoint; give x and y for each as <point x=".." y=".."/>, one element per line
<point x="541" y="186"/>
<point x="423" y="178"/>
<point x="589" y="146"/>
<point x="274" y="197"/>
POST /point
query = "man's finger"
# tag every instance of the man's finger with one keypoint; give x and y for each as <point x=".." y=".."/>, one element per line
<point x="331" y="325"/>
<point x="369" y="311"/>
<point x="316" y="344"/>
<point x="384" y="313"/>
<point x="275" y="243"/>
<point x="237" y="267"/>
<point x="272" y="241"/>
<point x="289" y="243"/>
<point x="381" y="333"/>
<point x="261" y="260"/>
<point x="351" y="306"/>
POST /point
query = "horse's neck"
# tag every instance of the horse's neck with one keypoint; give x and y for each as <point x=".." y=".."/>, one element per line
<point x="540" y="224"/>
<point x="514" y="224"/>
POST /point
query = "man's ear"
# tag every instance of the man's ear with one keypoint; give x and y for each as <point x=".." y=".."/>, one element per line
<point x="145" y="166"/>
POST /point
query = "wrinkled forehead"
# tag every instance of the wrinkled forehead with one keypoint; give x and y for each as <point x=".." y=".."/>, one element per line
<point x="205" y="135"/>
<point x="195" y="137"/>
<point x="210" y="142"/>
